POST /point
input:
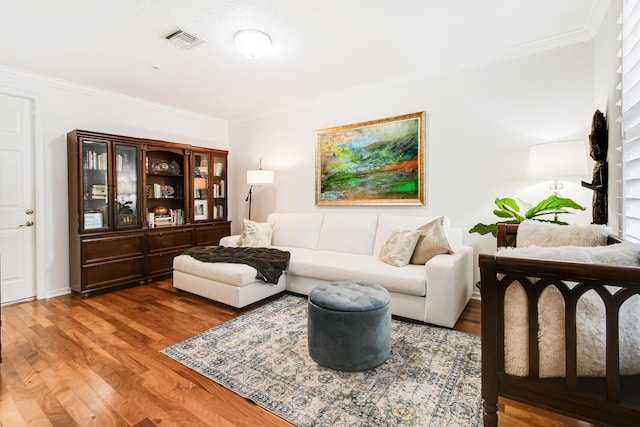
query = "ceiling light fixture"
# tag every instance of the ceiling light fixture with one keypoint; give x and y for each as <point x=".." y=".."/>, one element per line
<point x="252" y="43"/>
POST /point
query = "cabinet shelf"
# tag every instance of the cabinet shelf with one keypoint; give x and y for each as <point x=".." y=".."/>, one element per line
<point x="164" y="175"/>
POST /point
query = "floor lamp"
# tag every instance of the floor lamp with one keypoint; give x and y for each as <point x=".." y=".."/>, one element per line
<point x="257" y="177"/>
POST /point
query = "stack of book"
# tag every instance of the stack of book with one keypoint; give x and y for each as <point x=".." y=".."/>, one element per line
<point x="174" y="217"/>
<point x="162" y="221"/>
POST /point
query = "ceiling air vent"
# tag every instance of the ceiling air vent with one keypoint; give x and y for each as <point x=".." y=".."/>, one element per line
<point x="184" y="40"/>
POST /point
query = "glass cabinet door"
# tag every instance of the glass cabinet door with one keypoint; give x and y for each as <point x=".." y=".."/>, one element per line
<point x="95" y="184"/>
<point x="201" y="186"/>
<point x="219" y="187"/>
<point x="126" y="177"/>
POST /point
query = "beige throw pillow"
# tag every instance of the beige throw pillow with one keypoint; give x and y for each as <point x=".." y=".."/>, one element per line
<point x="399" y="247"/>
<point x="256" y="234"/>
<point x="433" y="241"/>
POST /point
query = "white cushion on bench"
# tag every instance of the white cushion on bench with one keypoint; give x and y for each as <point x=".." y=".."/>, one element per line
<point x="224" y="272"/>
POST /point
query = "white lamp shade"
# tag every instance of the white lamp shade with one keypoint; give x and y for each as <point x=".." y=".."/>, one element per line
<point x="252" y="43"/>
<point x="258" y="177"/>
<point x="555" y="159"/>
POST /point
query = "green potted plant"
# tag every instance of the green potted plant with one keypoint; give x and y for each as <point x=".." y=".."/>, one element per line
<point x="510" y="210"/>
<point x="125" y="207"/>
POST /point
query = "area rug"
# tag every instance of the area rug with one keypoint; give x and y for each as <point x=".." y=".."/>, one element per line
<point x="431" y="378"/>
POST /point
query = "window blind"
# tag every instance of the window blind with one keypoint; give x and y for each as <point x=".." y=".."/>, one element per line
<point x="630" y="176"/>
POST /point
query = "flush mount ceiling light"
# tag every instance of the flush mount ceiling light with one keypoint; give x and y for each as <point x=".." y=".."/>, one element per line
<point x="252" y="43"/>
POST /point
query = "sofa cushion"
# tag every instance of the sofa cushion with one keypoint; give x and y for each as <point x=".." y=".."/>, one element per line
<point x="223" y="272"/>
<point x="334" y="266"/>
<point x="433" y="241"/>
<point x="298" y="230"/>
<point x="256" y="234"/>
<point x="538" y="233"/>
<point x="399" y="248"/>
<point x="348" y="233"/>
<point x="387" y="223"/>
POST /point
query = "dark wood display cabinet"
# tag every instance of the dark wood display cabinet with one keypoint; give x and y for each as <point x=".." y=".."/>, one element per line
<point x="134" y="204"/>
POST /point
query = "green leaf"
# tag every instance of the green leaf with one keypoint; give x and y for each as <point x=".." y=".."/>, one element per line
<point x="503" y="214"/>
<point x="508" y="208"/>
<point x="551" y="205"/>
<point x="509" y="203"/>
<point x="483" y="229"/>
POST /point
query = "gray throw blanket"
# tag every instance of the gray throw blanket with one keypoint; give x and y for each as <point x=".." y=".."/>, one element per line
<point x="269" y="262"/>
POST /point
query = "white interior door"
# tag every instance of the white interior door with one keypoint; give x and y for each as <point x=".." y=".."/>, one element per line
<point x="17" y="198"/>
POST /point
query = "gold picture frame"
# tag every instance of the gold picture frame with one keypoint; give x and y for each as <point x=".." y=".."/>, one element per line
<point x="379" y="162"/>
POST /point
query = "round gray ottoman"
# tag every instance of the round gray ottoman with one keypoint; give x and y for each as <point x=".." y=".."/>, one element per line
<point x="349" y="326"/>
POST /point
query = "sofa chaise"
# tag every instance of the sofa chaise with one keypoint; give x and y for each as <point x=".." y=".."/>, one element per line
<point x="341" y="247"/>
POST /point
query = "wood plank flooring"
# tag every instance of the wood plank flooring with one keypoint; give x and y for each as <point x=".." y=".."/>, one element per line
<point x="95" y="362"/>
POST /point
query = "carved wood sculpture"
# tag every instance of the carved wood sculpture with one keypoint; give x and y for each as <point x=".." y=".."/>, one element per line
<point x="598" y="143"/>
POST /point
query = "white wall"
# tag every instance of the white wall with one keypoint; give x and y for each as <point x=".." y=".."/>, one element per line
<point x="480" y="124"/>
<point x="64" y="107"/>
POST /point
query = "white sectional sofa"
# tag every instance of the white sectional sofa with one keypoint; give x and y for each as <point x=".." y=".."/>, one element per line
<point x="335" y="247"/>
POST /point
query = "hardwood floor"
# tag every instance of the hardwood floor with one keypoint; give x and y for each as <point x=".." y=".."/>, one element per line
<point x="96" y="362"/>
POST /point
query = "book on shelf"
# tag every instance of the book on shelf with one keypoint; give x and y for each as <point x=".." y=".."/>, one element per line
<point x="218" y="189"/>
<point x="173" y="218"/>
<point x="218" y="212"/>
<point x="93" y="160"/>
<point x="177" y="216"/>
<point x="163" y="191"/>
<point x="162" y="221"/>
<point x="122" y="162"/>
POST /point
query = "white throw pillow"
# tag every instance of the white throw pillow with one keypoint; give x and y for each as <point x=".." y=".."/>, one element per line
<point x="538" y="233"/>
<point x="399" y="248"/>
<point x="256" y="234"/>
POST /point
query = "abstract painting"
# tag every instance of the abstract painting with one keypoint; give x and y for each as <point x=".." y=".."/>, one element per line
<point x="379" y="162"/>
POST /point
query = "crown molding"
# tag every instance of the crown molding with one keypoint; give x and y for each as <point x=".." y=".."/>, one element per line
<point x="596" y="16"/>
<point x="512" y="52"/>
<point x="52" y="82"/>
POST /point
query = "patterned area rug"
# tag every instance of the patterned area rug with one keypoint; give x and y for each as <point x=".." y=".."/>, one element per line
<point x="432" y="377"/>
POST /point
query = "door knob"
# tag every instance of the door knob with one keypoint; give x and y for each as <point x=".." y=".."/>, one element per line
<point x="29" y="211"/>
<point x="27" y="224"/>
